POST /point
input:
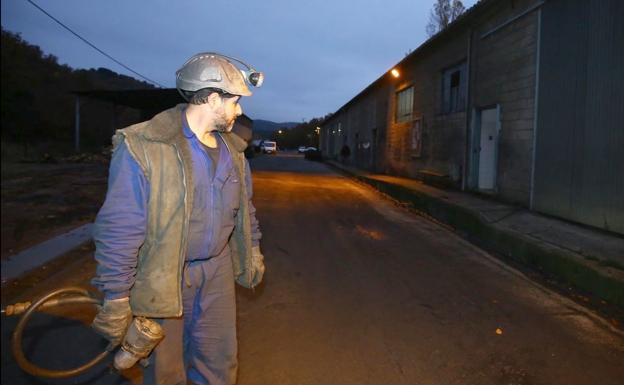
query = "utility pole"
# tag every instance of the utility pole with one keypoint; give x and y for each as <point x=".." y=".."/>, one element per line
<point x="77" y="126"/>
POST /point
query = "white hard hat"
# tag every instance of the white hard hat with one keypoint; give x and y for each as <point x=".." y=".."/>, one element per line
<point x="213" y="70"/>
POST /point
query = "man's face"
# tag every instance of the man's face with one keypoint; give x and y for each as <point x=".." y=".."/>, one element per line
<point x="227" y="112"/>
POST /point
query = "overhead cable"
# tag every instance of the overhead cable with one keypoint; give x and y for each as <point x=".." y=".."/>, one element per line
<point x="93" y="45"/>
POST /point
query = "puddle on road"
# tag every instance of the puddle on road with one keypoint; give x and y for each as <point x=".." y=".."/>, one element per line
<point x="372" y="234"/>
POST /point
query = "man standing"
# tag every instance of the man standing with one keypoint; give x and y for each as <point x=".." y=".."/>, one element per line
<point x="178" y="227"/>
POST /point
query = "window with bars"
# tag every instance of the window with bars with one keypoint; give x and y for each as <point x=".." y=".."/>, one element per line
<point x="404" y="105"/>
<point x="454" y="89"/>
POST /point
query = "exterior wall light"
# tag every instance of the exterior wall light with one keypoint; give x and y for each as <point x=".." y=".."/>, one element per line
<point x="395" y="72"/>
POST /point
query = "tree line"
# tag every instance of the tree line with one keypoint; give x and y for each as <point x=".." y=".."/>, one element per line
<point x="303" y="134"/>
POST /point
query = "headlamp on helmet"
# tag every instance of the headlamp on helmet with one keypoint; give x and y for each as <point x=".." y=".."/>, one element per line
<point x="254" y="78"/>
<point x="213" y="70"/>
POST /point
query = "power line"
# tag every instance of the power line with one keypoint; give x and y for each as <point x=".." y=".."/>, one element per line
<point x="93" y="45"/>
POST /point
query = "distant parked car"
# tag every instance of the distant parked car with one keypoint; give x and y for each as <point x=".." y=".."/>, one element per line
<point x="312" y="153"/>
<point x="304" y="149"/>
<point x="269" y="147"/>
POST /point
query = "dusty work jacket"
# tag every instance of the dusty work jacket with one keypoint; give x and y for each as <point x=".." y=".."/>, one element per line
<point x="164" y="156"/>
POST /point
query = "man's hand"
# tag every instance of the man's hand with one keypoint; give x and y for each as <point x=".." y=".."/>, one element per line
<point x="113" y="319"/>
<point x="257" y="264"/>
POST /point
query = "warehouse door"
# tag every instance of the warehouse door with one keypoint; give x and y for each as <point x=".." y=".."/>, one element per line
<point x="488" y="148"/>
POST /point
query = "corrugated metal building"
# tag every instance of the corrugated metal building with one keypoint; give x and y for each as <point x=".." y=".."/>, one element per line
<point x="579" y="152"/>
<point x="519" y="99"/>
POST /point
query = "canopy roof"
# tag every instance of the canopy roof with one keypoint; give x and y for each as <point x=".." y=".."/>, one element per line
<point x="149" y="100"/>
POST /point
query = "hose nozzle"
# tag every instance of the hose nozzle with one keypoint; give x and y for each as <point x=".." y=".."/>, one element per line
<point x="16" y="308"/>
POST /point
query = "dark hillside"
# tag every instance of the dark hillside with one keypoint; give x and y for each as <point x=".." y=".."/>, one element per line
<point x="302" y="134"/>
<point x="37" y="107"/>
<point x="269" y="126"/>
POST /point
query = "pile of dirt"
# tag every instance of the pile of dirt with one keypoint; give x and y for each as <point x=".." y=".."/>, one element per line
<point x="42" y="200"/>
<point x="103" y="157"/>
<point x="90" y="157"/>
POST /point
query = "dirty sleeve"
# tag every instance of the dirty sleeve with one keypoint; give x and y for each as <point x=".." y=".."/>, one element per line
<point x="120" y="225"/>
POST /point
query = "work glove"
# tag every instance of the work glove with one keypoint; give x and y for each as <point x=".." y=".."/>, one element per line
<point x="113" y="319"/>
<point x="257" y="266"/>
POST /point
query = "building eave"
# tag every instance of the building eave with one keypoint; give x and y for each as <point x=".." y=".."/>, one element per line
<point x="469" y="15"/>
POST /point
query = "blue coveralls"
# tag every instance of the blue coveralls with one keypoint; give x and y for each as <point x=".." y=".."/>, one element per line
<point x="201" y="345"/>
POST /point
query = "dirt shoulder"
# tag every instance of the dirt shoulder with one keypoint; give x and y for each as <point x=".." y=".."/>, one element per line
<point x="42" y="200"/>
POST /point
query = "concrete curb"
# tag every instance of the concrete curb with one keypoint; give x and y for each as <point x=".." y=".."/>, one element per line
<point x="30" y="259"/>
<point x="565" y="265"/>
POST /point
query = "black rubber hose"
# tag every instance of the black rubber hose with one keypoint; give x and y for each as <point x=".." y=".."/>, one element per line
<point x="80" y="296"/>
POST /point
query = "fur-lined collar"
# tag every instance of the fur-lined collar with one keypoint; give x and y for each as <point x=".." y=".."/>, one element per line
<point x="167" y="127"/>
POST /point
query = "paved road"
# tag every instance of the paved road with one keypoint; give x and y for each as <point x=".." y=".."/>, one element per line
<point x="360" y="291"/>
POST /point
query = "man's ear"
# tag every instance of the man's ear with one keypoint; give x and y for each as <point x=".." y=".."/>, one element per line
<point x="214" y="100"/>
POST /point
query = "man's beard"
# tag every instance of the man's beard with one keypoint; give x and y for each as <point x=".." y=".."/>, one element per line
<point x="223" y="125"/>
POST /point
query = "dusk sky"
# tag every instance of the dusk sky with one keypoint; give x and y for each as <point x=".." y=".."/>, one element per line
<point x="316" y="55"/>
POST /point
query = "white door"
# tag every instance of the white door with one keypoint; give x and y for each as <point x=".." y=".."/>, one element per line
<point x="488" y="149"/>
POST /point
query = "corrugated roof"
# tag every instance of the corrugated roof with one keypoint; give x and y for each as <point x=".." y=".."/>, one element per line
<point x="149" y="99"/>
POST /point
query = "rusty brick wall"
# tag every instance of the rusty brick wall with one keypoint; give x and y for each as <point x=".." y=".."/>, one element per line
<point x="443" y="135"/>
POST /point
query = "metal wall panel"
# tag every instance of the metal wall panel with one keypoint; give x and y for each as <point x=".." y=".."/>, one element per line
<point x="579" y="155"/>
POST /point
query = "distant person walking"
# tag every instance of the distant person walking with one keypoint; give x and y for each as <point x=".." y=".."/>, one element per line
<point x="178" y="227"/>
<point x="345" y="152"/>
